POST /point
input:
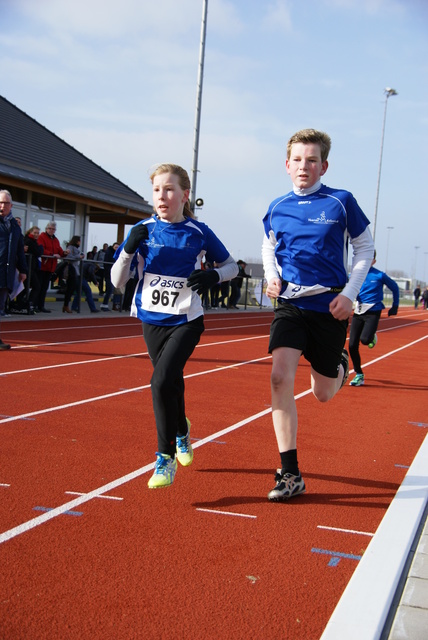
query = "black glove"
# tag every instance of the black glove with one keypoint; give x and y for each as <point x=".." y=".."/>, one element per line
<point x="202" y="281"/>
<point x="138" y="234"/>
<point x="393" y="311"/>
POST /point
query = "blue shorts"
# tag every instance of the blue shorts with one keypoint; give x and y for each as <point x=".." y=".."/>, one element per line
<point x="319" y="336"/>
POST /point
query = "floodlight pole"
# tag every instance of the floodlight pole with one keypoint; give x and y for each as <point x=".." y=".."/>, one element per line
<point x="387" y="249"/>
<point x="198" y="104"/>
<point x="388" y="93"/>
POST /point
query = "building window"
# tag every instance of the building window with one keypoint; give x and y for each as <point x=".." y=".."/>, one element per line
<point x="65" y="206"/>
<point x="19" y="196"/>
<point x="42" y="202"/>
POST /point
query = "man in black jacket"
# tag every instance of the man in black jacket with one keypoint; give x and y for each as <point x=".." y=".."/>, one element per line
<point x="12" y="255"/>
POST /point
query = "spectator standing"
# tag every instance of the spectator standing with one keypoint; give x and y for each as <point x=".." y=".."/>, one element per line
<point x="91" y="254"/>
<point x="27" y="299"/>
<point x="366" y="316"/>
<point x="13" y="265"/>
<point x="73" y="260"/>
<point x="417" y="295"/>
<point x="425" y="298"/>
<point x="52" y="250"/>
<point x="130" y="287"/>
<point x="99" y="257"/>
<point x="236" y="285"/>
<point x="108" y="263"/>
<point x="88" y="276"/>
<point x="223" y="299"/>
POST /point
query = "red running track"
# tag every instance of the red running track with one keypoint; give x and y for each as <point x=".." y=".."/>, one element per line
<point x="88" y="551"/>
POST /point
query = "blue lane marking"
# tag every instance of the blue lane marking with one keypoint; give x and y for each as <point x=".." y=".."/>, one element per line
<point x="336" y="556"/>
<point x="402" y="466"/>
<point x="67" y="513"/>
<point x="420" y="424"/>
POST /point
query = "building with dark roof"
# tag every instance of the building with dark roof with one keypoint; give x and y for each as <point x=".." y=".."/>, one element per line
<point x="49" y="179"/>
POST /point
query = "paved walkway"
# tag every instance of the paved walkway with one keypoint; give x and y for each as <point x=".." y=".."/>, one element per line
<point x="381" y="601"/>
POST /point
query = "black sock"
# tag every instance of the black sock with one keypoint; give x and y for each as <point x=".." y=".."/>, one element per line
<point x="289" y="462"/>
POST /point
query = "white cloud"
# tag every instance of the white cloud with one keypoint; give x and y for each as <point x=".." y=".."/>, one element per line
<point x="278" y="16"/>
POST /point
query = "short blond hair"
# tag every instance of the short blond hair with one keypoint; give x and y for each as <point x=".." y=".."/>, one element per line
<point x="311" y="136"/>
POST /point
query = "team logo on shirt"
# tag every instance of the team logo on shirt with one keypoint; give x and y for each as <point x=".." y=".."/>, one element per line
<point x="166" y="283"/>
<point x="322" y="219"/>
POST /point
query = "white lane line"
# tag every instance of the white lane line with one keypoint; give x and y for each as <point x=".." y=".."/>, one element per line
<point x="226" y="513"/>
<point x="80" y="493"/>
<point x="68" y="506"/>
<point x="3" y="484"/>
<point x="124" y="337"/>
<point x="121" y="392"/>
<point x="359" y="533"/>
<point x="45" y="517"/>
<point x="107" y="358"/>
<point x="62" y="343"/>
<point x="71" y="364"/>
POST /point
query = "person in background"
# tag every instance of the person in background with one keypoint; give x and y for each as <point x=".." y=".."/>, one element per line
<point x="417" y="295"/>
<point x="13" y="265"/>
<point x="305" y="259"/>
<point x="99" y="257"/>
<point x="223" y="299"/>
<point x="91" y="254"/>
<point x="73" y="260"/>
<point x="366" y="316"/>
<point x="108" y="263"/>
<point x="52" y="250"/>
<point x="169" y="248"/>
<point x="425" y="298"/>
<point x="88" y="276"/>
<point x="130" y="287"/>
<point x="236" y="285"/>
<point x="26" y="301"/>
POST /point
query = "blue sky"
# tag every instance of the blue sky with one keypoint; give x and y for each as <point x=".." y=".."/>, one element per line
<point x="117" y="80"/>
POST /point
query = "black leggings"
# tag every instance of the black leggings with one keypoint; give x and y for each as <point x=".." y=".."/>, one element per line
<point x="363" y="328"/>
<point x="169" y="349"/>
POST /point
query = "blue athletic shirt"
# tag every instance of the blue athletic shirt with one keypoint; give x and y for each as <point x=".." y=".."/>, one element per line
<point x="311" y="233"/>
<point x="165" y="261"/>
<point x="371" y="293"/>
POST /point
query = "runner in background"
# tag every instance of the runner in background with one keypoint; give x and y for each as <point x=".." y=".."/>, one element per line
<point x="367" y="314"/>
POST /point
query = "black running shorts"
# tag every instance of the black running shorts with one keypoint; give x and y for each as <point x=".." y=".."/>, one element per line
<point x="319" y="336"/>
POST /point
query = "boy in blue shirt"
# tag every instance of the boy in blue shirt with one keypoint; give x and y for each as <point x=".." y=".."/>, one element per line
<point x="305" y="257"/>
<point x="366" y="316"/>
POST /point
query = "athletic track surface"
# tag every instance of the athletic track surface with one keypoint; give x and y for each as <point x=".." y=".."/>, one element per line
<point x="89" y="552"/>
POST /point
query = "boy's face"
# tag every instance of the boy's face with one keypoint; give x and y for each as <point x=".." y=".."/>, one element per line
<point x="305" y="166"/>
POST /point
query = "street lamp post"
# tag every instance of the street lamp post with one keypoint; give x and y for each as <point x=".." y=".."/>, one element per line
<point x="387" y="248"/>
<point x="198" y="105"/>
<point x="416" y="260"/>
<point x="388" y="93"/>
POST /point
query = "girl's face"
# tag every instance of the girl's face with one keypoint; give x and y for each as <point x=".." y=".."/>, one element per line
<point x="305" y="166"/>
<point x="169" y="197"/>
<point x="35" y="234"/>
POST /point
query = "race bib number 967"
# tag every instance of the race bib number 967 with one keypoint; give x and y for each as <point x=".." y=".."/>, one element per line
<point x="165" y="294"/>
